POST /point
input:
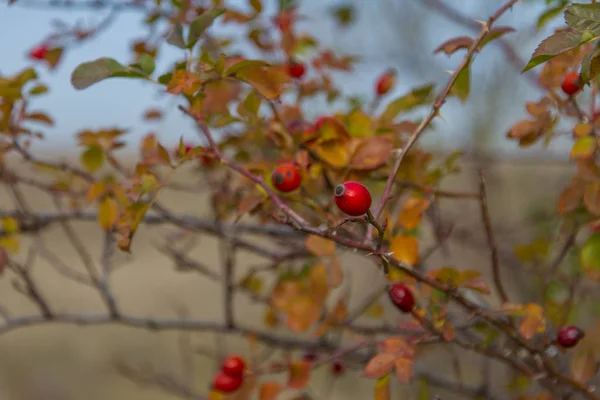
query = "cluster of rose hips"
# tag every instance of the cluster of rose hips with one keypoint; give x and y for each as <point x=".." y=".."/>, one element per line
<point x="404" y="300"/>
<point x="231" y="376"/>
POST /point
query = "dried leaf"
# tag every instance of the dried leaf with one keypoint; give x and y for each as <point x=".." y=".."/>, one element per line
<point x="320" y="246"/>
<point x="583" y="365"/>
<point x="379" y="366"/>
<point x="452" y="45"/>
<point x="372" y="153"/>
<point x="269" y="81"/>
<point x="303" y="312"/>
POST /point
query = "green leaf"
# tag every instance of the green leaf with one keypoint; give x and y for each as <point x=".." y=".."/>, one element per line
<point x="175" y="36"/>
<point x="164" y="79"/>
<point x="553" y="46"/>
<point x="243" y="64"/>
<point x="93" y="158"/>
<point x="147" y="63"/>
<point x="415" y="98"/>
<point x="590" y="67"/>
<point x="584" y="17"/>
<point x="550" y="14"/>
<point x="201" y="24"/>
<point x="462" y="85"/>
<point x="590" y="257"/>
<point x="89" y="73"/>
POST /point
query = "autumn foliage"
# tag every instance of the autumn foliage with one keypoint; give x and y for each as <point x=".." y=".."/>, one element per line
<point x="351" y="179"/>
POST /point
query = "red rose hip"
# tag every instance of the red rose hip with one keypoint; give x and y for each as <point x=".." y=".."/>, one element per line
<point x="337" y="368"/>
<point x="286" y="177"/>
<point x="571" y="83"/>
<point x="296" y="70"/>
<point x="39" y="52"/>
<point x="569" y="336"/>
<point x="402" y="297"/>
<point x="233" y="366"/>
<point x="385" y="82"/>
<point x="226" y="383"/>
<point x="353" y="198"/>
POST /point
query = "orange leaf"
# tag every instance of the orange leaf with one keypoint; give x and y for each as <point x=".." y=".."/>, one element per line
<point x="303" y="312"/>
<point x="269" y="81"/>
<point x="405" y="249"/>
<point x="299" y="374"/>
<point x="320" y="246"/>
<point x="591" y="197"/>
<point x="412" y="211"/>
<point x="269" y="391"/>
<point x="396" y="346"/>
<point x="318" y="283"/>
<point x="404" y="370"/>
<point x="380" y="365"/>
<point x="534" y="321"/>
<point x="184" y="82"/>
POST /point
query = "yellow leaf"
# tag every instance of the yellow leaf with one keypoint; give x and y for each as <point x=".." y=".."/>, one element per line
<point x="93" y="158"/>
<point x="334" y="153"/>
<point x="95" y="190"/>
<point x="405" y="249"/>
<point x="584" y="147"/>
<point x="108" y="211"/>
<point x="269" y="81"/>
<point x="11" y="243"/>
<point x="382" y="388"/>
<point x="360" y="124"/>
<point x="10" y="225"/>
<point x="318" y="283"/>
<point x="299" y="374"/>
<point x="582" y="130"/>
<point x="412" y="211"/>
<point x="534" y="321"/>
<point x="303" y="312"/>
<point x="320" y="246"/>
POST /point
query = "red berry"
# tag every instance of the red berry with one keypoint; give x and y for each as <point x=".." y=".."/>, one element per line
<point x="569" y="336"/>
<point x="186" y="149"/>
<point x="337" y="368"/>
<point x="402" y="297"/>
<point x="39" y="52"/>
<point x="234" y="366"/>
<point x="385" y="82"/>
<point x="571" y="83"/>
<point x="286" y="177"/>
<point x="353" y="198"/>
<point x="296" y="70"/>
<point x="227" y="383"/>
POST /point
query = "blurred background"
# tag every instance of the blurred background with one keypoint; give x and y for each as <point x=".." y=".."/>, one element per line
<point x="72" y="363"/>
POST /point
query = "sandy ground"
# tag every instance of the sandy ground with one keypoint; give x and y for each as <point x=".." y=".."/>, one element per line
<point x="56" y="362"/>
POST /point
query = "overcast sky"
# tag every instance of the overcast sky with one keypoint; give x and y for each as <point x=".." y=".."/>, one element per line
<point x="380" y="37"/>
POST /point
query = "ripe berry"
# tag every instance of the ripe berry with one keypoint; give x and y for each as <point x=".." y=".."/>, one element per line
<point x="186" y="149"/>
<point x="226" y="383"/>
<point x="286" y="177"/>
<point x="569" y="336"/>
<point x="571" y="83"/>
<point x="402" y="297"/>
<point x="352" y="198"/>
<point x="337" y="368"/>
<point x="385" y="82"/>
<point x="233" y="366"/>
<point x="39" y="52"/>
<point x="296" y="70"/>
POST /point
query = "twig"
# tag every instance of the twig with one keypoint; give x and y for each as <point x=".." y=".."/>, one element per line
<point x="491" y="241"/>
